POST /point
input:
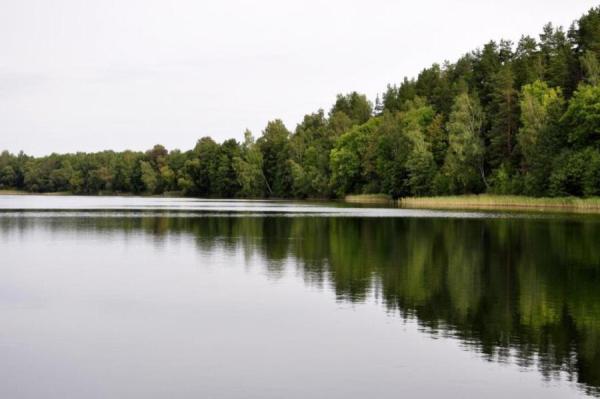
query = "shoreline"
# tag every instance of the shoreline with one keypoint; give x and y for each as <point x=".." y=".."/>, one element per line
<point x="484" y="202"/>
<point x="488" y="202"/>
<point x="68" y="194"/>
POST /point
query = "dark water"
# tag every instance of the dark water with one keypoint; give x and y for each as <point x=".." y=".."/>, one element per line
<point x="138" y="298"/>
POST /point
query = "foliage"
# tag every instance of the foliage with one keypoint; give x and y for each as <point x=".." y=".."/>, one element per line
<point x="539" y="137"/>
<point x="464" y="160"/>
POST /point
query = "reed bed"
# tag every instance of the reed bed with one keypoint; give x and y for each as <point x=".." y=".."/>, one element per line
<point x="504" y="202"/>
<point x="369" y="199"/>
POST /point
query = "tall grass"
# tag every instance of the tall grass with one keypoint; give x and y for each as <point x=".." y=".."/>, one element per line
<point x="486" y="201"/>
<point x="369" y="199"/>
<point x="7" y="191"/>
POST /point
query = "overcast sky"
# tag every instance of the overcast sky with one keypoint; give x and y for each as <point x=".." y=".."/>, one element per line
<point x="124" y="74"/>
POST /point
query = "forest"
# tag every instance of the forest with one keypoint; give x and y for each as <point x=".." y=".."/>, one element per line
<point x="507" y="118"/>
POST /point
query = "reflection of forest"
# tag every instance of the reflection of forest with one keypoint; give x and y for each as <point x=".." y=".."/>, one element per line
<point x="529" y="287"/>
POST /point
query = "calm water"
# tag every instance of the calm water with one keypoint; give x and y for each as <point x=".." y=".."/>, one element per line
<point x="142" y="298"/>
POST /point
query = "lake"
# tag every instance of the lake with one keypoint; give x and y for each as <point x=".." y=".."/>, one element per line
<point x="131" y="297"/>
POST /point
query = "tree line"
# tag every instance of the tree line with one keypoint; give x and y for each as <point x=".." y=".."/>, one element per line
<point x="506" y="118"/>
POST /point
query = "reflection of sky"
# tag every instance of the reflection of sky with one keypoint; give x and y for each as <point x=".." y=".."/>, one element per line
<point x="105" y="313"/>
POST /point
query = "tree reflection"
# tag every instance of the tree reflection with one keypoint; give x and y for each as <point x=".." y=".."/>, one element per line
<point x="524" y="289"/>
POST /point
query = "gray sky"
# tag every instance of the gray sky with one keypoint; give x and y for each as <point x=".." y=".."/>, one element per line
<point x="118" y="74"/>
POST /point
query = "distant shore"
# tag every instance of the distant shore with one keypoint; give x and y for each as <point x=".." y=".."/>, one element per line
<point x="104" y="194"/>
<point x="21" y="192"/>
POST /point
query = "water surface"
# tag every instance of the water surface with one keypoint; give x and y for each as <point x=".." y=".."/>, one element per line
<point x="143" y="297"/>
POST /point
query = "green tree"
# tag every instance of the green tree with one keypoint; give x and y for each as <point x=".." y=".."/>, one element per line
<point x="582" y="119"/>
<point x="350" y="159"/>
<point x="464" y="161"/>
<point x="249" y="169"/>
<point x="275" y="149"/>
<point x="590" y="67"/>
<point x="539" y="137"/>
<point x="149" y="177"/>
<point x="420" y="163"/>
<point x="225" y="182"/>
<point x="585" y="33"/>
<point x="433" y="85"/>
<point x="396" y="97"/>
<point x="199" y="174"/>
<point x="60" y="177"/>
<point x="503" y="112"/>
<point x="486" y="63"/>
<point x="576" y="173"/>
<point x="527" y="65"/>
<point x="437" y="138"/>
<point x="125" y="174"/>
<point x="355" y="106"/>
<point x="392" y="151"/>
<point x="167" y="178"/>
<point x="8" y="177"/>
<point x="558" y="58"/>
<point x="100" y="179"/>
<point x="310" y="146"/>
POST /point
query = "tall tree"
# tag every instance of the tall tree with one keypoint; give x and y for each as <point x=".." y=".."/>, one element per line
<point x="590" y="67"/>
<point x="420" y="163"/>
<point x="355" y="106"/>
<point x="585" y="33"/>
<point x="226" y="184"/>
<point x="527" y="65"/>
<point x="395" y="97"/>
<point x="486" y="63"/>
<point x="275" y="149"/>
<point x="464" y="161"/>
<point x="503" y="112"/>
<point x="352" y="162"/>
<point x="249" y="169"/>
<point x="310" y="145"/>
<point x="582" y="119"/>
<point x="559" y="60"/>
<point x="539" y="137"/>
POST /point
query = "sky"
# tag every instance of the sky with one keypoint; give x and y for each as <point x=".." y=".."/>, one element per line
<point x="126" y="74"/>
